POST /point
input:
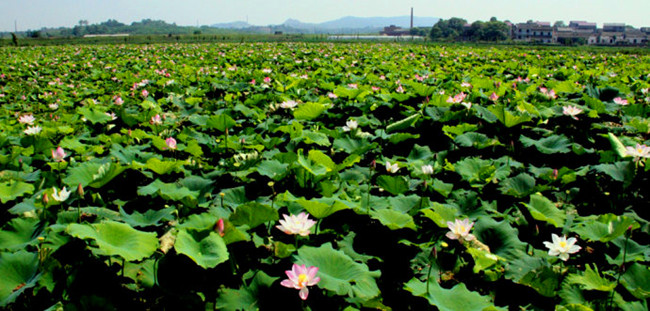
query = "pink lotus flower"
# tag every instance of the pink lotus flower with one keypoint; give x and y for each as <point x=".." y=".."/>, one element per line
<point x="118" y="100"/>
<point x="400" y="89"/>
<point x="548" y="94"/>
<point x="59" y="154"/>
<point x="267" y="80"/>
<point x="332" y="95"/>
<point x="220" y="227"/>
<point x="26" y="119"/>
<point x="299" y="277"/>
<point x="494" y="97"/>
<point x="457" y="99"/>
<point x="171" y="143"/>
<point x="145" y="93"/>
<point x="156" y="120"/>
<point x="620" y="101"/>
<point x="352" y="85"/>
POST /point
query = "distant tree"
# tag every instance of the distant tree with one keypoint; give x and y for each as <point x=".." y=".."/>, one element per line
<point x="559" y="24"/>
<point x="449" y="29"/>
<point x="33" y="34"/>
<point x="495" y="31"/>
<point x="493" y="19"/>
<point x="476" y="31"/>
<point x="14" y="39"/>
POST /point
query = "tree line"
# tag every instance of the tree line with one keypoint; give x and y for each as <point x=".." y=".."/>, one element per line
<point x="457" y="29"/>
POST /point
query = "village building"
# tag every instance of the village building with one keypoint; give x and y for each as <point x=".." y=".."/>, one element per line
<point x="540" y="32"/>
<point x="393" y="30"/>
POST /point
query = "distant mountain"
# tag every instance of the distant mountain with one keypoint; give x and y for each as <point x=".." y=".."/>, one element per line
<point x="379" y="22"/>
<point x="348" y="24"/>
<point x="232" y="25"/>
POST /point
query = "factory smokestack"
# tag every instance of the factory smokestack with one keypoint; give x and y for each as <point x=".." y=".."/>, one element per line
<point x="411" y="17"/>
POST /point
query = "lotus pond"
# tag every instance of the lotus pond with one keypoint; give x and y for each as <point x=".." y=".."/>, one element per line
<point x="323" y="177"/>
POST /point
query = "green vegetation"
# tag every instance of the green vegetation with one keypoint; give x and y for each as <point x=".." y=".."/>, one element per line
<point x="380" y="176"/>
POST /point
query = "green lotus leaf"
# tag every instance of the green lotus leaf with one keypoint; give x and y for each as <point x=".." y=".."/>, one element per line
<point x="476" y="140"/>
<point x="321" y="209"/>
<point x="247" y="297"/>
<point x="170" y="191"/>
<point x="420" y="153"/>
<point x="518" y="186"/>
<point x="94" y="115"/>
<point x="441" y="214"/>
<point x="199" y="222"/>
<point x="92" y="174"/>
<point x="310" y="166"/>
<point x="14" y="189"/>
<point x="19" y="273"/>
<point x="18" y="233"/>
<point x="506" y="117"/>
<point x="273" y="169"/>
<point x="591" y="280"/>
<point x="393" y="219"/>
<point x="148" y="218"/>
<point x="309" y="111"/>
<point x="548" y="145"/>
<point x="477" y="172"/>
<point x="253" y="214"/>
<point x="442" y="187"/>
<point x="339" y="273"/>
<point x="605" y="228"/>
<point x="321" y="158"/>
<point x="637" y="280"/>
<point x="502" y="238"/>
<point x="453" y="299"/>
<point x="207" y="250"/>
<point x="543" y="209"/>
<point x="220" y="122"/>
<point x="534" y="272"/>
<point x="164" y="167"/>
<point x="316" y="138"/>
<point x="403" y="124"/>
<point x="116" y="239"/>
<point x="393" y="184"/>
<point x="620" y="171"/>
<point x="353" y="146"/>
<point x="456" y="130"/>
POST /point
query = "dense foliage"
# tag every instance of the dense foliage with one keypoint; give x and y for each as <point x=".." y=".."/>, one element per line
<point x="377" y="176"/>
<point x="458" y="29"/>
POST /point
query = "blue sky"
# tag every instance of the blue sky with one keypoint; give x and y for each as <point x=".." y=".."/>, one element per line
<point x="35" y="14"/>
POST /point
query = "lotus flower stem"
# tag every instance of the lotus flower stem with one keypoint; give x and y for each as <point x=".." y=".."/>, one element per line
<point x="628" y="233"/>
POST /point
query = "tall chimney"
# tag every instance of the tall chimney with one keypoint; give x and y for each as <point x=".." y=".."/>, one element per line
<point x="411" y="17"/>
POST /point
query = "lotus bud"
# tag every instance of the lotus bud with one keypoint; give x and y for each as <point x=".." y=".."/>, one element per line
<point x="220" y="227"/>
<point x="80" y="190"/>
<point x="46" y="200"/>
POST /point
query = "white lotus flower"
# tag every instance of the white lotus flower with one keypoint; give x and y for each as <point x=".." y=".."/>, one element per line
<point x="571" y="111"/>
<point x="638" y="152"/>
<point x="296" y="224"/>
<point x="33" y="130"/>
<point x="427" y="169"/>
<point x="26" y="119"/>
<point x="288" y="104"/>
<point x="459" y="230"/>
<point x="392" y="168"/>
<point x="350" y="125"/>
<point x="562" y="247"/>
<point x="60" y="196"/>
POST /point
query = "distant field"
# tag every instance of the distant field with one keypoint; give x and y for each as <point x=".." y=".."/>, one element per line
<point x="203" y="172"/>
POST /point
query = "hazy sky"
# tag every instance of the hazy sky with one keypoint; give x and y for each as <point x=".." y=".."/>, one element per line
<point x="35" y="14"/>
